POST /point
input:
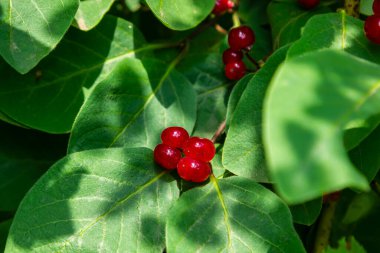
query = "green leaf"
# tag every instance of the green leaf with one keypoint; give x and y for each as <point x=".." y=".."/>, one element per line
<point x="235" y="96"/>
<point x="217" y="167"/>
<point x="24" y="156"/>
<point x="90" y="12"/>
<point x="133" y="105"/>
<point x="366" y="7"/>
<point x="310" y="100"/>
<point x="230" y="215"/>
<point x="347" y="246"/>
<point x="49" y="98"/>
<point x="360" y="206"/>
<point x="105" y="199"/>
<point x="29" y="30"/>
<point x="306" y="213"/>
<point x="243" y="152"/>
<point x="287" y="18"/>
<point x="181" y="15"/>
<point x="365" y="156"/>
<point x="133" y="5"/>
<point x="336" y="31"/>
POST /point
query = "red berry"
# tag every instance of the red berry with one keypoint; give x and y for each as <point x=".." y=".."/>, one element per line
<point x="372" y="28"/>
<point x="241" y="37"/>
<point x="235" y="70"/>
<point x="167" y="156"/>
<point x="193" y="170"/>
<point x="201" y="149"/>
<point x="230" y="55"/>
<point x="376" y="7"/>
<point x="308" y="4"/>
<point x="222" y="6"/>
<point x="174" y="136"/>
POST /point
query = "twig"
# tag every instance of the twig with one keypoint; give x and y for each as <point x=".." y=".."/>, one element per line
<point x="324" y="227"/>
<point x="219" y="131"/>
<point x="252" y="60"/>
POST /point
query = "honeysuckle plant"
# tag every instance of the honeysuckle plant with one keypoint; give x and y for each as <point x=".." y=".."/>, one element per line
<point x="289" y="99"/>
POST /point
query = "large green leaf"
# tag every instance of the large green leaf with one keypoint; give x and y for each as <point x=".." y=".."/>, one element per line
<point x="287" y="18"/>
<point x="336" y="31"/>
<point x="24" y="156"/>
<point x="243" y="152"/>
<point x="29" y="30"/>
<point x="105" y="199"/>
<point x="49" y="98"/>
<point x="311" y="99"/>
<point x="133" y="105"/>
<point x="181" y="14"/>
<point x="230" y="215"/>
<point x="90" y="13"/>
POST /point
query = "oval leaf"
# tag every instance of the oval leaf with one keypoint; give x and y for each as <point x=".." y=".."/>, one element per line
<point x="133" y="105"/>
<point x="29" y="30"/>
<point x="231" y="215"/>
<point x="335" y="31"/>
<point x="311" y="99"/>
<point x="181" y="14"/>
<point x="243" y="152"/>
<point x="106" y="199"/>
<point x="49" y="98"/>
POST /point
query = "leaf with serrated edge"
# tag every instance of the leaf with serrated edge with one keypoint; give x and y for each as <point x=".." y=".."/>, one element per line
<point x="133" y="105"/>
<point x="243" y="152"/>
<point x="230" y="215"/>
<point x="29" y="30"/>
<point x="90" y="12"/>
<point x="106" y="199"/>
<point x="49" y="98"/>
<point x="310" y="100"/>
<point x="181" y="15"/>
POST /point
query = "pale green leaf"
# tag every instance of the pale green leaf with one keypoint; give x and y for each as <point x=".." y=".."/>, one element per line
<point x="90" y="12"/>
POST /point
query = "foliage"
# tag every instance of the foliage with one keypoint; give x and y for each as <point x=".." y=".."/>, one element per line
<point x="88" y="86"/>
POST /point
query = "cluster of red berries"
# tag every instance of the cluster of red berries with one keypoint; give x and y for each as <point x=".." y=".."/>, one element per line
<point x="240" y="40"/>
<point x="197" y="152"/>
<point x="372" y="24"/>
<point x="222" y="6"/>
<point x="308" y="4"/>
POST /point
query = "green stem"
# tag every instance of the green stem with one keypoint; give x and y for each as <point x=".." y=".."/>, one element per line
<point x="235" y="19"/>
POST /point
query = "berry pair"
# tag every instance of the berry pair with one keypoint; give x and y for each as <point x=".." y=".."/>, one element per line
<point x="198" y="153"/>
<point x="222" y="6"/>
<point x="372" y="24"/>
<point x="240" y="40"/>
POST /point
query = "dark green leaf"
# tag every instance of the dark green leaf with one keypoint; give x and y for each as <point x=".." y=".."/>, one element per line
<point x="105" y="199"/>
<point x="133" y="105"/>
<point x="231" y="215"/>
<point x="366" y="157"/>
<point x="336" y="31"/>
<point x="90" y="12"/>
<point x="181" y="15"/>
<point x="287" y="18"/>
<point x="29" y="30"/>
<point x="306" y="213"/>
<point x="24" y="156"/>
<point x="49" y="98"/>
<point x="311" y="99"/>
<point x="243" y="152"/>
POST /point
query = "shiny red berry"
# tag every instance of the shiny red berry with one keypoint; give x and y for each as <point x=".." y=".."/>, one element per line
<point x="241" y="37"/>
<point x="376" y="7"/>
<point x="235" y="70"/>
<point x="201" y="149"/>
<point x="174" y="136"/>
<point x="193" y="170"/>
<point x="372" y="28"/>
<point x="222" y="6"/>
<point x="308" y="4"/>
<point x="230" y="55"/>
<point x="167" y="156"/>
